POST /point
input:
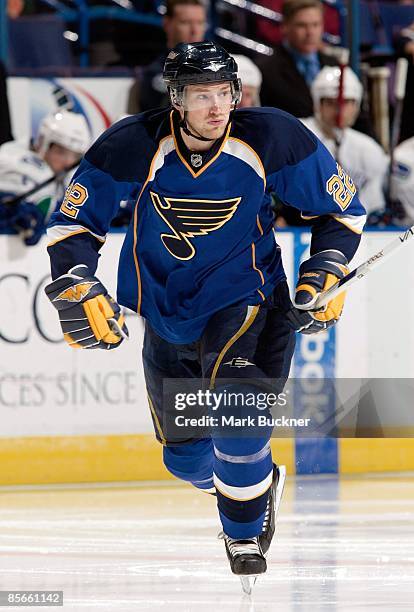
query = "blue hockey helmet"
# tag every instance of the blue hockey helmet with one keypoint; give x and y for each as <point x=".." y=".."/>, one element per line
<point x="198" y="63"/>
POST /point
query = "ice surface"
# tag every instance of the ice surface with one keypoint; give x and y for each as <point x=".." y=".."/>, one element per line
<point x="340" y="544"/>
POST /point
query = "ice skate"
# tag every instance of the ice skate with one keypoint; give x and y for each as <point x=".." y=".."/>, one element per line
<point x="273" y="503"/>
<point x="246" y="560"/>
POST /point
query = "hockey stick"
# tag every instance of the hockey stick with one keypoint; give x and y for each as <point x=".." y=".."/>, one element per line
<point x="358" y="273"/>
<point x="12" y="200"/>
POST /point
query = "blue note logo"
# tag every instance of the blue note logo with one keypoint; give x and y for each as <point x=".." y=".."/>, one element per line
<point x="188" y="218"/>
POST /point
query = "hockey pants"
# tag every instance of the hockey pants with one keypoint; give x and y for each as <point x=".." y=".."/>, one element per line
<point x="241" y="348"/>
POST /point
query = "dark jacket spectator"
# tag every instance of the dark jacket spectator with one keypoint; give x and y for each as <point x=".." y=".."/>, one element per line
<point x="270" y="32"/>
<point x="284" y="86"/>
<point x="149" y="91"/>
<point x="289" y="72"/>
<point x="184" y="21"/>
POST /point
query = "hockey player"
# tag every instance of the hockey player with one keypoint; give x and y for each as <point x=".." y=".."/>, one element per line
<point x="251" y="79"/>
<point x="402" y="183"/>
<point x="201" y="265"/>
<point x="359" y="155"/>
<point x="62" y="139"/>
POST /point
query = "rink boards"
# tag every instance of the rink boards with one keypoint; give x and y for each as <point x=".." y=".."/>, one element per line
<point x="77" y="459"/>
<point x="73" y="416"/>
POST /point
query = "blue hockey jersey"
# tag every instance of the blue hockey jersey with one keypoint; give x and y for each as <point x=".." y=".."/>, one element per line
<point x="202" y="238"/>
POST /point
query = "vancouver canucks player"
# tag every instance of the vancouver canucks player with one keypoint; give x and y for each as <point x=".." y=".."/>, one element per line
<point x="359" y="154"/>
<point x="40" y="172"/>
<point x="201" y="265"/>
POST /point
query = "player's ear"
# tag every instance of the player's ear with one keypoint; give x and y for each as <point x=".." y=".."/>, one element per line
<point x="179" y="109"/>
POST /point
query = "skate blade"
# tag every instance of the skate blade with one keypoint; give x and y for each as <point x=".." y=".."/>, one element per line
<point x="248" y="583"/>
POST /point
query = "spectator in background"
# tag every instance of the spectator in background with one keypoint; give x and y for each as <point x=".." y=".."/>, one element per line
<point x="270" y="32"/>
<point x="358" y="154"/>
<point x="404" y="46"/>
<point x="184" y="21"/>
<point x="289" y="72"/>
<point x="251" y="79"/>
<point x="62" y="139"/>
<point x="15" y="8"/>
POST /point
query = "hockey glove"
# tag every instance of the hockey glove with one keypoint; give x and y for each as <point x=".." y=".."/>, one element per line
<point x="317" y="274"/>
<point x="24" y="217"/>
<point x="89" y="317"/>
<point x="29" y="222"/>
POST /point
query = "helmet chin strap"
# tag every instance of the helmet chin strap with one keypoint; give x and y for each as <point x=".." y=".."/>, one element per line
<point x="186" y="130"/>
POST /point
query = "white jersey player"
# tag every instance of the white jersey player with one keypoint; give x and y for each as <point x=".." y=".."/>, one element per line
<point x="402" y="180"/>
<point x="62" y="139"/>
<point x="251" y="79"/>
<point x="360" y="156"/>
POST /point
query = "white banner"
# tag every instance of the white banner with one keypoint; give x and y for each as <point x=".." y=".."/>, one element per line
<point x="375" y="338"/>
<point x="47" y="388"/>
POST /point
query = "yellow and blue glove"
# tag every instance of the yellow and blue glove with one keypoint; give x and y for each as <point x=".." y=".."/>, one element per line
<point x="89" y="317"/>
<point x="317" y="274"/>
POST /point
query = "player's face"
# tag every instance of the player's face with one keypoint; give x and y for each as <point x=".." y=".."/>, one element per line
<point x="187" y="24"/>
<point x="304" y="30"/>
<point x="60" y="158"/>
<point x="208" y="108"/>
<point x="329" y="109"/>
